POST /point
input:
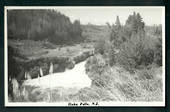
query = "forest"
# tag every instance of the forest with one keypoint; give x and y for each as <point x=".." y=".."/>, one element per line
<point x="48" y="25"/>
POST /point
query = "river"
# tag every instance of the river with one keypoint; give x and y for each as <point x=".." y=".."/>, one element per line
<point x="74" y="78"/>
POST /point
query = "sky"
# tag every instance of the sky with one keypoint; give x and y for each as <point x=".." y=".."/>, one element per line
<point x="101" y="15"/>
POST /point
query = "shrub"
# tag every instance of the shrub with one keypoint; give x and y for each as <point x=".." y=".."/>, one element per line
<point x="97" y="64"/>
<point x="111" y="54"/>
<point x="107" y="49"/>
<point x="97" y="68"/>
<point x="158" y="52"/>
<point x="136" y="53"/>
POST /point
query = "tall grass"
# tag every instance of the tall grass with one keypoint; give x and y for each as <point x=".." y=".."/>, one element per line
<point x="121" y="85"/>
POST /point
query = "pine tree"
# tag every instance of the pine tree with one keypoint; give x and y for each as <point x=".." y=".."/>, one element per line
<point x="117" y="23"/>
<point x="140" y="22"/>
<point x="135" y="23"/>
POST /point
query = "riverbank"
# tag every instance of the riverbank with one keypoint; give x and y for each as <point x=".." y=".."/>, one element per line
<point x="39" y="54"/>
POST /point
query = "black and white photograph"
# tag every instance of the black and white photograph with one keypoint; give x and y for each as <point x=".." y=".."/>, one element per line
<point x="84" y="55"/>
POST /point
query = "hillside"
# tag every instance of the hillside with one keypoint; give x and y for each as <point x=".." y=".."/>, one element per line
<point x="93" y="33"/>
<point x="48" y="25"/>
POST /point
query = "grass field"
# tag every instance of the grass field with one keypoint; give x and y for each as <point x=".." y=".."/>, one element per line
<point x="38" y="49"/>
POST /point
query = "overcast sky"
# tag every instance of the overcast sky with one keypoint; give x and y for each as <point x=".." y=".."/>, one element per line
<point x="101" y="15"/>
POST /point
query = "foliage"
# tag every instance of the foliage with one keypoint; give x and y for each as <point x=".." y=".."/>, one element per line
<point x="136" y="47"/>
<point x="134" y="23"/>
<point x="117" y="23"/>
<point x="42" y="25"/>
<point x="15" y="67"/>
<point x="154" y="31"/>
<point x="158" y="52"/>
<point x="97" y="68"/>
<point x="137" y="52"/>
<point x="107" y="49"/>
<point x="120" y="85"/>
<point x="117" y="33"/>
<point x="99" y="47"/>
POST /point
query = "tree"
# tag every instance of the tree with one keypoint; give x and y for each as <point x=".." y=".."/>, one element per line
<point x="42" y="24"/>
<point x="116" y="36"/>
<point x="134" y="22"/>
<point x="140" y="22"/>
<point x="76" y="29"/>
<point x="135" y="25"/>
<point x="117" y="23"/>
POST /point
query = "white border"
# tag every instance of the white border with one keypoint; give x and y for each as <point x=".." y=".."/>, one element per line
<point x="16" y="104"/>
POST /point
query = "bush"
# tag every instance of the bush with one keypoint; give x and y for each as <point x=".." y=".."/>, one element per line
<point x="136" y="53"/>
<point x="111" y="54"/>
<point x="158" y="52"/>
<point x="97" y="64"/>
<point x="107" y="49"/>
<point x="96" y="68"/>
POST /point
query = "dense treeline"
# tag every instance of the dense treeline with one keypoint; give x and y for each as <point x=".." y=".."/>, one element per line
<point x="48" y="25"/>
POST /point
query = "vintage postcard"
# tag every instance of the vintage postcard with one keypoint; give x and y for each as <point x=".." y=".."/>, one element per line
<point x="84" y="56"/>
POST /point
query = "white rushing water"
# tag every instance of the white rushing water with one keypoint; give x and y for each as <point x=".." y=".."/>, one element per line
<point x="74" y="78"/>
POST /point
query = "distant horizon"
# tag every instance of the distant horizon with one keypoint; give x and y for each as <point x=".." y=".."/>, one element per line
<point x="100" y="16"/>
